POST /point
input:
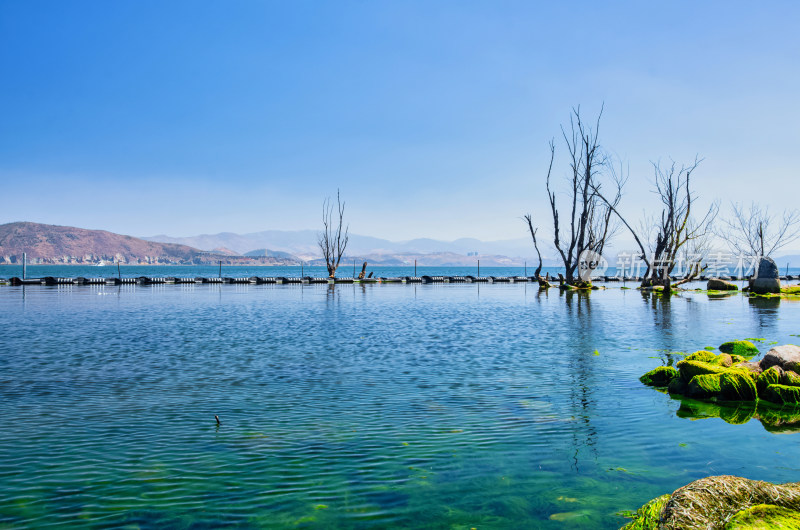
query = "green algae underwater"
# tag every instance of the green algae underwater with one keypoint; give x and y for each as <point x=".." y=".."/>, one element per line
<point x="459" y="406"/>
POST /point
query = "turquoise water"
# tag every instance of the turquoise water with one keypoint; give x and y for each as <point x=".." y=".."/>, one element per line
<point x="361" y="406"/>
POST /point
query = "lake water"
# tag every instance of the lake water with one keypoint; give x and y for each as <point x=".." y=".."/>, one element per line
<point x="361" y="406"/>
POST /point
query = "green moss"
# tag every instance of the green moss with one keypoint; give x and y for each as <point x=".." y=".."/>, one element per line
<point x="660" y="376"/>
<point x="792" y="289"/>
<point x="704" y="386"/>
<point x="735" y="385"/>
<point x="688" y="369"/>
<point x="782" y="394"/>
<point x="770" y="376"/>
<point x="765" y="517"/>
<point x="701" y="355"/>
<point x="739" y="347"/>
<point x="648" y="515"/>
<point x="790" y="378"/>
<point x="709" y="348"/>
<point x="737" y="359"/>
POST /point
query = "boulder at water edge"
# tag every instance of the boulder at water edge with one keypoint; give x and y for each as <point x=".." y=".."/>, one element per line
<point x="766" y="279"/>
<point x="786" y="356"/>
<point x="723" y="501"/>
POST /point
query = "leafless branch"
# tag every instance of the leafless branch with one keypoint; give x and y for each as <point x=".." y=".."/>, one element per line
<point x="333" y="240"/>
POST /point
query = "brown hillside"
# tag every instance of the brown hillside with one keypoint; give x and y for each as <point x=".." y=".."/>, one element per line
<point x="52" y="242"/>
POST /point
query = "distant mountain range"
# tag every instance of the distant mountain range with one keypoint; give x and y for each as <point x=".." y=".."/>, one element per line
<point x="303" y="244"/>
<point x="65" y="244"/>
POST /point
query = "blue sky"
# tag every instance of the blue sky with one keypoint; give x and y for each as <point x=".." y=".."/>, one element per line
<point x="148" y="117"/>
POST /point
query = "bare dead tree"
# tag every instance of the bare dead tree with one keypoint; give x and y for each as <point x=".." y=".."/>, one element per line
<point x="538" y="273"/>
<point x="663" y="237"/>
<point x="334" y="237"/>
<point x="589" y="220"/>
<point x="755" y="232"/>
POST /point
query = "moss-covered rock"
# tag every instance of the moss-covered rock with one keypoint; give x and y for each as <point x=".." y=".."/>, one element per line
<point x="790" y="378"/>
<point x="704" y="386"/>
<point x="705" y="356"/>
<point x="711" y="502"/>
<point x="660" y="376"/>
<point x="738" y="359"/>
<point x="715" y="284"/>
<point x="739" y="347"/>
<point x="737" y="385"/>
<point x="771" y="376"/>
<point x="677" y="386"/>
<point x="765" y="517"/>
<point x="648" y="515"/>
<point x="701" y="355"/>
<point x="782" y="394"/>
<point x="688" y="369"/>
<point x="754" y="368"/>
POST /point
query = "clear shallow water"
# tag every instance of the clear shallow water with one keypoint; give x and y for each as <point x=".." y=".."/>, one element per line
<point x="430" y="406"/>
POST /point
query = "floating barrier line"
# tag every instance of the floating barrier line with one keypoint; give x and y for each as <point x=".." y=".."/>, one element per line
<point x="281" y="280"/>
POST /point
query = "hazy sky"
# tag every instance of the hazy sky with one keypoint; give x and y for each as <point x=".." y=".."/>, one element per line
<point x="432" y="117"/>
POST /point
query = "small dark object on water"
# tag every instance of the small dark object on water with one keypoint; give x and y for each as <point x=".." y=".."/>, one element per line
<point x="217" y="418"/>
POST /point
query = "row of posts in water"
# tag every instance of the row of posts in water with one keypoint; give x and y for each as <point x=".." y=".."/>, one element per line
<point x="260" y="280"/>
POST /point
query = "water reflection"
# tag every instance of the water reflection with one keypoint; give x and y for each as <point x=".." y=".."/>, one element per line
<point x="772" y="418"/>
<point x="765" y="311"/>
